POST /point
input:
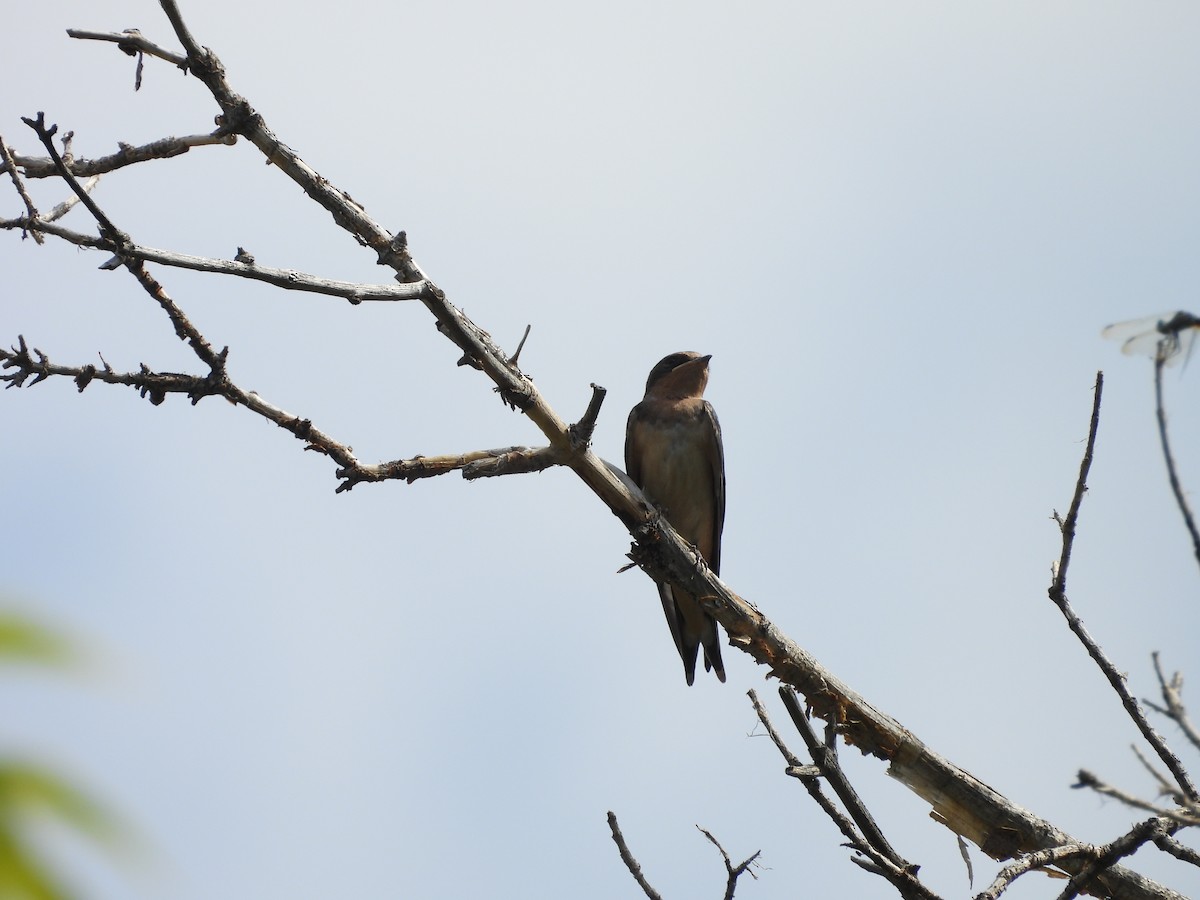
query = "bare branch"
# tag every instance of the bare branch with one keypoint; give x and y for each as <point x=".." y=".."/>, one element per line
<point x="630" y="863"/>
<point x="1103" y="857"/>
<point x="1032" y="862"/>
<point x="1175" y="710"/>
<point x="127" y="155"/>
<point x="475" y="464"/>
<point x="288" y="279"/>
<point x="45" y="135"/>
<point x="1165" y="787"/>
<point x="1160" y="359"/>
<point x="903" y="877"/>
<point x="44" y="224"/>
<point x="216" y="382"/>
<point x="155" y="386"/>
<point x="6" y="158"/>
<point x="516" y="461"/>
<point x="1185" y="814"/>
<point x="1178" y="850"/>
<point x="130" y="42"/>
<point x="581" y="431"/>
<point x="1058" y="594"/>
<point x="824" y="755"/>
<point x="1098" y="857"/>
<point x="67" y="205"/>
<point x="521" y="346"/>
<point x="793" y="761"/>
<point x="150" y="384"/>
<point x="1059" y="586"/>
<point x="732" y="872"/>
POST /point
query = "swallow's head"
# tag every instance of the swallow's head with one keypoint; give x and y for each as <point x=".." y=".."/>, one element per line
<point x="683" y="374"/>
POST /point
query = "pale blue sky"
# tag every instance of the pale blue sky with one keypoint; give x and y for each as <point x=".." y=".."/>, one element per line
<point x="898" y="229"/>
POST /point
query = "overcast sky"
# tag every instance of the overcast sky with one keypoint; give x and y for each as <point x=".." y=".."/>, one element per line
<point x="898" y="229"/>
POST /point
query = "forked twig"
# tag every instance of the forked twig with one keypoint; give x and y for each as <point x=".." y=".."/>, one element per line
<point x="1058" y="594"/>
<point x="732" y="872"/>
<point x="1174" y="709"/>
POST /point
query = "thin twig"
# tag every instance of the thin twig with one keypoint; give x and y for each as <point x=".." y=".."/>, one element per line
<point x="824" y="755"/>
<point x="1067" y="525"/>
<point x="512" y="360"/>
<point x="1184" y="814"/>
<point x="732" y="872"/>
<point x="32" y="366"/>
<point x="1175" y="709"/>
<point x="1165" y="788"/>
<point x="903" y="878"/>
<point x="61" y="209"/>
<point x="1058" y="594"/>
<point x="19" y="184"/>
<point x="627" y="857"/>
<point x="1159" y="360"/>
<point x="288" y="279"/>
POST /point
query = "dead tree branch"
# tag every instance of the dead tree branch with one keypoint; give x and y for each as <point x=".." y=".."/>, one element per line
<point x="732" y="872"/>
<point x="127" y="155"/>
<point x="18" y="182"/>
<point x="130" y="42"/>
<point x="1058" y="595"/>
<point x="1102" y="858"/>
<point x="288" y="279"/>
<point x="1160" y="359"/>
<point x="1185" y="814"/>
<point x="627" y="857"/>
<point x="876" y="854"/>
<point x="1174" y="708"/>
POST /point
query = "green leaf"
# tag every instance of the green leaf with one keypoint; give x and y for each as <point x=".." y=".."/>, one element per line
<point x="22" y="640"/>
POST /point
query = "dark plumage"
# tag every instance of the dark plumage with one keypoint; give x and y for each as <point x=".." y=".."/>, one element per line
<point x="673" y="453"/>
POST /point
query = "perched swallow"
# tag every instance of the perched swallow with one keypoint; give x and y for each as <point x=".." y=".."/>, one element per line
<point x="673" y="453"/>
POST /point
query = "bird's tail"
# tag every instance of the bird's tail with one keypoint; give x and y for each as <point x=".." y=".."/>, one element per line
<point x="712" y="651"/>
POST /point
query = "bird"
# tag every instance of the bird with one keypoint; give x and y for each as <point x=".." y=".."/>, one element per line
<point x="673" y="453"/>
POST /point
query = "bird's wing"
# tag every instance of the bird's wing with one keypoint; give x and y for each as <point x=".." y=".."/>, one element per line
<point x="633" y="455"/>
<point x="716" y="455"/>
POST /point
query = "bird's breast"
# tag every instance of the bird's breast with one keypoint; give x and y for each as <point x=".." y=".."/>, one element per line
<point x="677" y="473"/>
